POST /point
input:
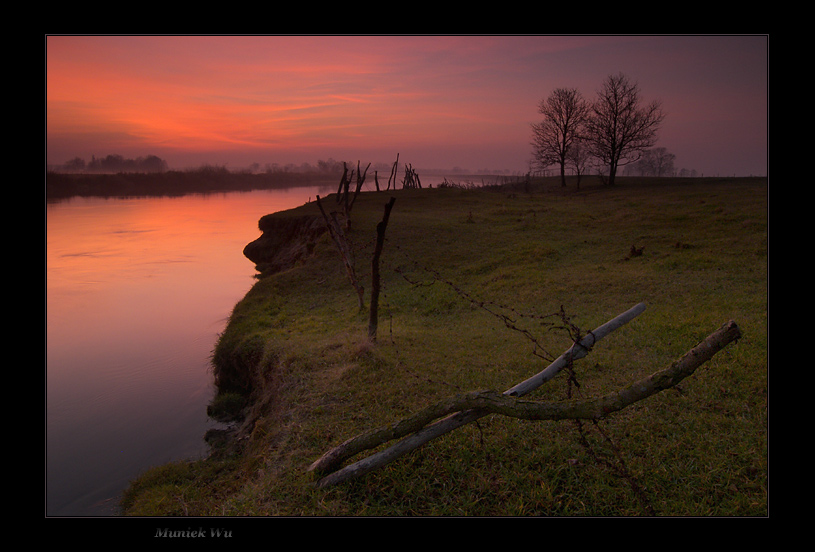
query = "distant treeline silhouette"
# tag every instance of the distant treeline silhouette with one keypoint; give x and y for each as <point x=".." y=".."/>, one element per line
<point x="117" y="163"/>
<point x="116" y="176"/>
<point x="208" y="179"/>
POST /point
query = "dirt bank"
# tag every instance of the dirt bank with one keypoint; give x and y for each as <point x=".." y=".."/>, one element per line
<point x="286" y="239"/>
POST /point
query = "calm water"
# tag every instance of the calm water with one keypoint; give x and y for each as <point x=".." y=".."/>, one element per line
<point x="137" y="291"/>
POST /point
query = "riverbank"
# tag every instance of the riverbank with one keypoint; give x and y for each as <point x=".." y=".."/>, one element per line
<point x="469" y="278"/>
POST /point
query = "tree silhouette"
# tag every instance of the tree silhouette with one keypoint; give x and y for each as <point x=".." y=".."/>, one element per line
<point x="564" y="113"/>
<point x="619" y="128"/>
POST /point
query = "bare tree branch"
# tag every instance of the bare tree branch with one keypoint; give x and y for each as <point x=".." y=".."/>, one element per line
<point x="347" y="254"/>
<point x="620" y="127"/>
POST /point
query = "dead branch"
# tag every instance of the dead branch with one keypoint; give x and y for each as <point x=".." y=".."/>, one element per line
<point x="411" y="179"/>
<point x="343" y="187"/>
<point x="481" y="403"/>
<point x="360" y="181"/>
<point x="392" y="177"/>
<point x="373" y="316"/>
<point x="344" y="196"/>
<point x="333" y="458"/>
<point x="341" y="241"/>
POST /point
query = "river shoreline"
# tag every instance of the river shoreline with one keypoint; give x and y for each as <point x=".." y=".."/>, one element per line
<point x="314" y="379"/>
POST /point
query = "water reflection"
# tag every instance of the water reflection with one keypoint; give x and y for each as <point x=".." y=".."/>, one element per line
<point x="137" y="291"/>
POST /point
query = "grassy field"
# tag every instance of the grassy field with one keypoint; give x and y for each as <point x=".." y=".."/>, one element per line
<point x="455" y="260"/>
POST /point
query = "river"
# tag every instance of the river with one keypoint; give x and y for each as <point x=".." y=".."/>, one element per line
<point x="137" y="291"/>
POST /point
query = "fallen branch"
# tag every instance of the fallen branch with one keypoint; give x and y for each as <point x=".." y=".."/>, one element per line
<point x="417" y="425"/>
<point x="491" y="402"/>
<point x="480" y="403"/>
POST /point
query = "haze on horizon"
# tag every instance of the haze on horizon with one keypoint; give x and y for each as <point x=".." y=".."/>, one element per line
<point x="437" y="101"/>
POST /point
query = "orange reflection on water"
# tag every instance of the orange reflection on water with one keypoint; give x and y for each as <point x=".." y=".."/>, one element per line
<point x="120" y="270"/>
<point x="137" y="291"/>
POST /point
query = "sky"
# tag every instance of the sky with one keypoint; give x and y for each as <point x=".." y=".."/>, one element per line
<point x="438" y="101"/>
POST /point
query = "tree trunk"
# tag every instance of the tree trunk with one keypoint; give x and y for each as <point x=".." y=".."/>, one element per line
<point x="612" y="174"/>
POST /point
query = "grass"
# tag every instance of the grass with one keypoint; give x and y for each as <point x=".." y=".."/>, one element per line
<point x="698" y="450"/>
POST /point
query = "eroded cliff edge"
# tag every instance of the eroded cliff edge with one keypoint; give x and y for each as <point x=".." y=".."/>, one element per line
<point x="286" y="239"/>
<point x="240" y="359"/>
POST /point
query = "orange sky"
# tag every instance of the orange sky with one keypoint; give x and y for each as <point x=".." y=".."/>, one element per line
<point x="439" y="102"/>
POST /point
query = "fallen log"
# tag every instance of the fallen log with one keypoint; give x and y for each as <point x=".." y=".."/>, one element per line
<point x="470" y="407"/>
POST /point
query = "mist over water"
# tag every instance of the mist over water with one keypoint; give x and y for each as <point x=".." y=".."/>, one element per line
<point x="137" y="291"/>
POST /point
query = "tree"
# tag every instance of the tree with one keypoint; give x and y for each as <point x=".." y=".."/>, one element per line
<point x="654" y="162"/>
<point x="151" y="163"/>
<point x="660" y="162"/>
<point x="75" y="164"/>
<point x="619" y="128"/>
<point x="579" y="157"/>
<point x="564" y="113"/>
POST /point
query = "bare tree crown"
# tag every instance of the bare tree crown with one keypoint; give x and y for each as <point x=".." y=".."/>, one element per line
<point x="615" y="129"/>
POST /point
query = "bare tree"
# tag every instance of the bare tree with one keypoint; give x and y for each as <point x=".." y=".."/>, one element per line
<point x="657" y="162"/>
<point x="619" y="128"/>
<point x="579" y="157"/>
<point x="75" y="164"/>
<point x="564" y="111"/>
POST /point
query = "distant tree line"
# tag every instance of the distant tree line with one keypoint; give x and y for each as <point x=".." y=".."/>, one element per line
<point x="206" y="179"/>
<point x="117" y="163"/>
<point x="653" y="162"/>
<point x="117" y="176"/>
<point x="616" y="129"/>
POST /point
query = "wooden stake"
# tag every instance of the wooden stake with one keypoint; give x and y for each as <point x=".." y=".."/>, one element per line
<point x="373" y="317"/>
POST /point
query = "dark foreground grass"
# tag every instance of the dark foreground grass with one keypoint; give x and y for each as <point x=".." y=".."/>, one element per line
<point x="453" y="261"/>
